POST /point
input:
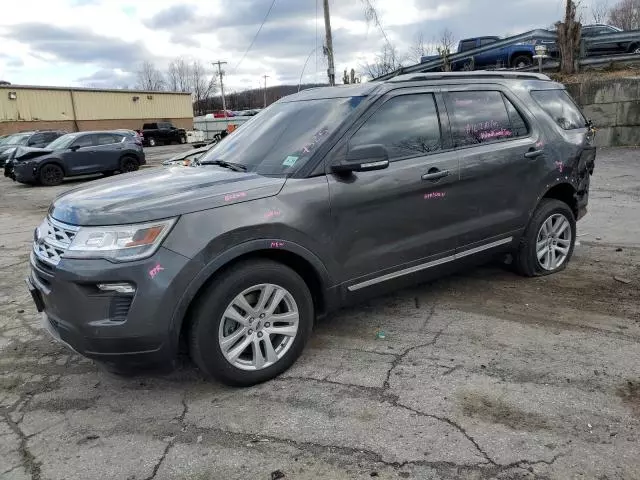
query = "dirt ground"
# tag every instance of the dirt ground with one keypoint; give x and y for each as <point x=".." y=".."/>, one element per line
<point x="481" y="375"/>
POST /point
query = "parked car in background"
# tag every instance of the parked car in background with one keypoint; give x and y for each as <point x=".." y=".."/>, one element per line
<point x="162" y="133"/>
<point x="513" y="56"/>
<point x="75" y="154"/>
<point x="37" y="139"/>
<point x="353" y="192"/>
<point x="608" y="48"/>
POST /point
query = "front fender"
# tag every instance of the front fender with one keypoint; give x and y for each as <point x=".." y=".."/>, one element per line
<point x="231" y="254"/>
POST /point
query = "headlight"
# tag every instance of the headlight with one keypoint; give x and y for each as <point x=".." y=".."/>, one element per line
<point x="119" y="242"/>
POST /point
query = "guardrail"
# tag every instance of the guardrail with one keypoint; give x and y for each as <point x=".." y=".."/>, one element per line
<point x="549" y="38"/>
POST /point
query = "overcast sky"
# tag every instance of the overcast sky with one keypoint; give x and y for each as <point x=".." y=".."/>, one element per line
<point x="102" y="42"/>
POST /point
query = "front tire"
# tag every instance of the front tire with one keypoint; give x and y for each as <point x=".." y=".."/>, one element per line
<point x="251" y="323"/>
<point x="152" y="142"/>
<point x="51" y="175"/>
<point x="548" y="242"/>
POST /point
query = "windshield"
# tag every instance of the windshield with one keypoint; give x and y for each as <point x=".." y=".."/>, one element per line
<point x="62" y="142"/>
<point x="17" y="139"/>
<point x="283" y="137"/>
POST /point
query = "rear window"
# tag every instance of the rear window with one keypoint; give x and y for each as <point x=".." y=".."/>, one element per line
<point x="559" y="105"/>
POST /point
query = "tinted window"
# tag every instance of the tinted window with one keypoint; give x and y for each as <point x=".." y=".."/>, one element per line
<point x="108" y="138"/>
<point x="407" y="125"/>
<point x="468" y="45"/>
<point x="284" y="136"/>
<point x="37" y="138"/>
<point x="83" y="141"/>
<point x="51" y="136"/>
<point x="559" y="105"/>
<point x="487" y="41"/>
<point x="478" y="117"/>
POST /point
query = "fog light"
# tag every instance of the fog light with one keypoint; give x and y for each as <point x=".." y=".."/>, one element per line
<point x="117" y="287"/>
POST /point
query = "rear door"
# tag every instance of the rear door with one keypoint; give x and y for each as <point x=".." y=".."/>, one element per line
<point x="80" y="158"/>
<point x="501" y="160"/>
<point x="109" y="149"/>
<point x="388" y="220"/>
<point x="487" y="58"/>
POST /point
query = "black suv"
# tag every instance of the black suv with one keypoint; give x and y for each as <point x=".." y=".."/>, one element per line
<point x="75" y="154"/>
<point x="36" y="139"/>
<point x="355" y="190"/>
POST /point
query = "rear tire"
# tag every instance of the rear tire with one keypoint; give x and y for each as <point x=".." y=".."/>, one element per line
<point x="522" y="61"/>
<point x="51" y="175"/>
<point x="548" y="241"/>
<point x="183" y="140"/>
<point x="216" y="316"/>
<point x="129" y="164"/>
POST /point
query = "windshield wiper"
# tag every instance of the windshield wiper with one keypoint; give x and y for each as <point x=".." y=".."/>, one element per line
<point x="236" y="167"/>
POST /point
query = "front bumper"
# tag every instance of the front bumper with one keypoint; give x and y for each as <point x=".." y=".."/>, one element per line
<point x="24" y="172"/>
<point x="125" y="330"/>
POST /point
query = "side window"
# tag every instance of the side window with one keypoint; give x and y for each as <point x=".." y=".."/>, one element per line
<point x="50" y="136"/>
<point x="518" y="125"/>
<point x="107" y="138"/>
<point x="408" y="125"/>
<point x="36" y="138"/>
<point x="468" y="45"/>
<point x="478" y="117"/>
<point x="83" y="141"/>
<point x="487" y="41"/>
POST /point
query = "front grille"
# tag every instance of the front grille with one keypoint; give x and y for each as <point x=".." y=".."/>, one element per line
<point x="51" y="240"/>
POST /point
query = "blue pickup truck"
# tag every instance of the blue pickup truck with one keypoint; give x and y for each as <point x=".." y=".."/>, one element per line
<point x="514" y="56"/>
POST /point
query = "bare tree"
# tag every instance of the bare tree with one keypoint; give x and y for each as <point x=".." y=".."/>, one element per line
<point x="203" y="84"/>
<point x="179" y="76"/>
<point x="600" y="11"/>
<point x="148" y="77"/>
<point x="386" y="61"/>
<point x="446" y="42"/>
<point x="569" y="33"/>
<point x="626" y="15"/>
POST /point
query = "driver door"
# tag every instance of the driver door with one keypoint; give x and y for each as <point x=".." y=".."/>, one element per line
<point x="388" y="220"/>
<point x="80" y="158"/>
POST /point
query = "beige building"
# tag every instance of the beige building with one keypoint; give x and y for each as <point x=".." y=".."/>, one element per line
<point x="77" y="109"/>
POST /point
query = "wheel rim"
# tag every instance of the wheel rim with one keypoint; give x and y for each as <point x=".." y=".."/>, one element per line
<point x="52" y="174"/>
<point x="152" y="142"/>
<point x="258" y="327"/>
<point x="128" y="166"/>
<point x="554" y="242"/>
<point x="637" y="50"/>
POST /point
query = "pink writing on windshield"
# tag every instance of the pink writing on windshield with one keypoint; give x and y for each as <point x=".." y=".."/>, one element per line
<point x="234" y="196"/>
<point x="430" y="195"/>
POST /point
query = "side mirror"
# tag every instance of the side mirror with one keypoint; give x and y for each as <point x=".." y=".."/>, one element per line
<point x="74" y="148"/>
<point x="363" y="159"/>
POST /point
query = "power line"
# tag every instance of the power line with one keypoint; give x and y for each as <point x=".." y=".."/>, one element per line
<point x="256" y="36"/>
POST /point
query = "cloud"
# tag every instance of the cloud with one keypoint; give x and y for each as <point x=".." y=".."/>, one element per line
<point x="108" y="78"/>
<point x="79" y="45"/>
<point x="172" y="17"/>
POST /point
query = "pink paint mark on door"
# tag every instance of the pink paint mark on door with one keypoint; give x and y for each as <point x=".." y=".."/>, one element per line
<point x="431" y="195"/>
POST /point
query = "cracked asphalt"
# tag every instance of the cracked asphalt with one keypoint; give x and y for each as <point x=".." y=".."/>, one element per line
<point x="481" y="375"/>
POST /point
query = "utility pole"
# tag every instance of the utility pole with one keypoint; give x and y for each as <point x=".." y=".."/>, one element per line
<point x="331" y="71"/>
<point x="265" y="90"/>
<point x="224" y="103"/>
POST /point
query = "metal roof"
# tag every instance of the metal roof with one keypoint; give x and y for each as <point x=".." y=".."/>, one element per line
<point x="82" y="89"/>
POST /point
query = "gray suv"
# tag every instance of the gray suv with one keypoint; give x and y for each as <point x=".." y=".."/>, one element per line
<point x="325" y="198"/>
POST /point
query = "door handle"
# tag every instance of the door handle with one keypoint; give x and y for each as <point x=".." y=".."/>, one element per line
<point x="533" y="153"/>
<point x="434" y="174"/>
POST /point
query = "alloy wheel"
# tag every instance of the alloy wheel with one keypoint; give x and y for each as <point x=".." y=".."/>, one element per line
<point x="258" y="327"/>
<point x="553" y="242"/>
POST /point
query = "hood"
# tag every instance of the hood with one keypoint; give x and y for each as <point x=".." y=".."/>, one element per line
<point x="26" y="153"/>
<point x="156" y="193"/>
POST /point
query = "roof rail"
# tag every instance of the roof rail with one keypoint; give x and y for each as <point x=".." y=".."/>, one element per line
<point x="416" y="77"/>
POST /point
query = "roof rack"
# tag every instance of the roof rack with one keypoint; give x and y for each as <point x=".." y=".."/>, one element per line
<point x="416" y="77"/>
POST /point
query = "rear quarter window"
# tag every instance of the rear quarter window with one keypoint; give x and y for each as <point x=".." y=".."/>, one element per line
<point x="561" y="108"/>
